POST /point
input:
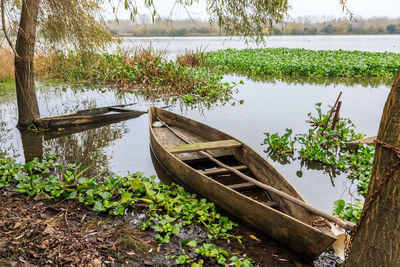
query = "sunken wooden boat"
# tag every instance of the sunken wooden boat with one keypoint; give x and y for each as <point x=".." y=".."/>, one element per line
<point x="110" y="114"/>
<point x="266" y="212"/>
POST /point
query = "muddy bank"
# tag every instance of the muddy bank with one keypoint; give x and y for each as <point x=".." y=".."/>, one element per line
<point x="44" y="232"/>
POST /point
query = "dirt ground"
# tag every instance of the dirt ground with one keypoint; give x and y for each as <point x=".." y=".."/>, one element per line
<point x="47" y="233"/>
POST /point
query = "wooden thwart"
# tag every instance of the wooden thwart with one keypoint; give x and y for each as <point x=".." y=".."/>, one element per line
<point x="242" y="186"/>
<point x="223" y="170"/>
<point x="204" y="146"/>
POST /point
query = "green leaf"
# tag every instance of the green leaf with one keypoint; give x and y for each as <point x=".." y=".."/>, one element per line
<point x="137" y="184"/>
<point x="181" y="259"/>
<point x="176" y="229"/>
<point x="125" y="197"/>
<point x="105" y="195"/>
<point x="73" y="195"/>
<point x="98" y="206"/>
<point x="338" y="206"/>
<point x="29" y="166"/>
<point x="192" y="244"/>
<point x="83" y="180"/>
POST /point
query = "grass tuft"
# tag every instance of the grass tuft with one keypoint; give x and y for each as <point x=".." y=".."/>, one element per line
<point x="192" y="59"/>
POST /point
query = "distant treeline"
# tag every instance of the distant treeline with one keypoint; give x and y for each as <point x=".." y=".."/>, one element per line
<point x="377" y="25"/>
<point x="163" y="27"/>
<point x="298" y="26"/>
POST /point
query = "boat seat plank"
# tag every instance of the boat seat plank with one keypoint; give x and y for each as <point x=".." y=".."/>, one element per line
<point x="242" y="186"/>
<point x="167" y="138"/>
<point x="204" y="146"/>
<point x="223" y="170"/>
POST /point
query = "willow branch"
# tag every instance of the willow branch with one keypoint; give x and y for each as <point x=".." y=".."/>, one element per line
<point x="3" y="22"/>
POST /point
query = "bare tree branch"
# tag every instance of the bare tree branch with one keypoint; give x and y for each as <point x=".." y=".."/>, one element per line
<point x="3" y="22"/>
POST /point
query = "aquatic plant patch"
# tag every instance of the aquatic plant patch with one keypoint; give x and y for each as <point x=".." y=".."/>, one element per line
<point x="327" y="144"/>
<point x="144" y="71"/>
<point x="326" y="63"/>
<point x="169" y="208"/>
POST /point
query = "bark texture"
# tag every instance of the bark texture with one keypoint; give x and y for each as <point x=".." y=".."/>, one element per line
<point x="28" y="108"/>
<point x="377" y="241"/>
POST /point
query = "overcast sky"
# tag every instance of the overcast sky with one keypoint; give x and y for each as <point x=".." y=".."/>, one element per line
<point x="332" y="8"/>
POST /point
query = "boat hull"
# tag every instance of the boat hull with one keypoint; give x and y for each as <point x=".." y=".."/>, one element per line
<point x="300" y="236"/>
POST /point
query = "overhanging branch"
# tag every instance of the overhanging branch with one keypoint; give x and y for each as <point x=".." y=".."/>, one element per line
<point x="3" y="22"/>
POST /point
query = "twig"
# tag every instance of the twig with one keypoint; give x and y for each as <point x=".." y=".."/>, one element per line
<point x="330" y="114"/>
<point x="66" y="217"/>
<point x="336" y="117"/>
<point x="3" y="22"/>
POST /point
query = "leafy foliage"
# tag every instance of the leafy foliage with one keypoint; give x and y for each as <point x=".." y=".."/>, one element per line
<point x="348" y="211"/>
<point x="326" y="63"/>
<point x="211" y="252"/>
<point x="280" y="144"/>
<point x="169" y="208"/>
<point x="143" y="70"/>
<point x="328" y="146"/>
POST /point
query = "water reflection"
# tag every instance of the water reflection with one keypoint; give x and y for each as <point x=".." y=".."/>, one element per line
<point x="331" y="171"/>
<point x="325" y="81"/>
<point x="83" y="146"/>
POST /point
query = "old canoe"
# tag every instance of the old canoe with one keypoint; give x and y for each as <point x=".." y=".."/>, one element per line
<point x="110" y="114"/>
<point x="266" y="212"/>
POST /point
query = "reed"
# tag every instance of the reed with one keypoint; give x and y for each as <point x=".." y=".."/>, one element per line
<point x="6" y="65"/>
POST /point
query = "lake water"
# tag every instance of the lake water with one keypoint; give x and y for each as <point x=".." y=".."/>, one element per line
<point x="176" y="45"/>
<point x="267" y="107"/>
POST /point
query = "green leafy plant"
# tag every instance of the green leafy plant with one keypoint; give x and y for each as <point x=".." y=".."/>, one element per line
<point x="211" y="252"/>
<point x="327" y="146"/>
<point x="280" y="144"/>
<point x="303" y="62"/>
<point x="169" y="208"/>
<point x="142" y="70"/>
<point x="348" y="211"/>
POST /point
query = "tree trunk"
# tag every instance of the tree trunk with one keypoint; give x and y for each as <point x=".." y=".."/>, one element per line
<point x="377" y="241"/>
<point x="32" y="145"/>
<point x="28" y="108"/>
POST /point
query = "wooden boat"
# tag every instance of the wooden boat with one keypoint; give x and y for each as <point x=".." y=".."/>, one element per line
<point x="109" y="114"/>
<point x="269" y="213"/>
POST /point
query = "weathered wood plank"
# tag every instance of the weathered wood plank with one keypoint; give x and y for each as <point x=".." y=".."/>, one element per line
<point x="354" y="145"/>
<point x="167" y="138"/>
<point x="242" y="186"/>
<point x="223" y="170"/>
<point x="204" y="146"/>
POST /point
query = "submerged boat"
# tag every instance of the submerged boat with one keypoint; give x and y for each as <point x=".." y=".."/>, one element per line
<point x="177" y="143"/>
<point x="110" y="114"/>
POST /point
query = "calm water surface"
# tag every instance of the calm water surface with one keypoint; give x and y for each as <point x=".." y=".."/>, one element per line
<point x="176" y="45"/>
<point x="267" y="107"/>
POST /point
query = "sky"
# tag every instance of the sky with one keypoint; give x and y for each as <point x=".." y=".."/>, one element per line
<point x="323" y="8"/>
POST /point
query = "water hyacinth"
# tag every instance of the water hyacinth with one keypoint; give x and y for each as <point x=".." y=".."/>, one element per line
<point x="326" y="63"/>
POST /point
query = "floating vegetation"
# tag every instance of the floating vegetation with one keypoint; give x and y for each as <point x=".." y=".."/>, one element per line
<point x="143" y="70"/>
<point x="327" y="145"/>
<point x="169" y="208"/>
<point x="323" y="63"/>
